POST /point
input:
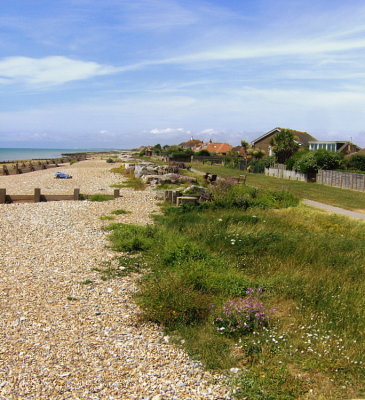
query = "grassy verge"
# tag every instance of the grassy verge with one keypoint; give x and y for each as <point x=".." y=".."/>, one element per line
<point x="344" y="198"/>
<point x="254" y="282"/>
<point x="132" y="181"/>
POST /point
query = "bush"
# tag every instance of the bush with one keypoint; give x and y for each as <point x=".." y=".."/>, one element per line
<point x="356" y="161"/>
<point x="228" y="195"/>
<point x="295" y="158"/>
<point x="315" y="160"/>
<point x="258" y="166"/>
<point x="203" y="153"/>
<point x="110" y="161"/>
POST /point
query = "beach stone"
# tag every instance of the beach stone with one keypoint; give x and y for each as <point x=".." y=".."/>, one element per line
<point x="62" y="339"/>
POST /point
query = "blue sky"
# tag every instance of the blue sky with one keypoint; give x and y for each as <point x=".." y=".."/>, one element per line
<point x="121" y="73"/>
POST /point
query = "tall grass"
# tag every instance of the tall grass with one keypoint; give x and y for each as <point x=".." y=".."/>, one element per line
<point x="348" y="199"/>
<point x="308" y="265"/>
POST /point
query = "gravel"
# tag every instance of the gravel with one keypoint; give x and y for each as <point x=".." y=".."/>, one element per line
<point x="63" y="339"/>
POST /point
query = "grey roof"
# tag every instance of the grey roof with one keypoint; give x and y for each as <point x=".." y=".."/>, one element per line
<point x="304" y="137"/>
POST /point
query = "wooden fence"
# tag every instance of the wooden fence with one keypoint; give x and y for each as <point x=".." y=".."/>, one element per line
<point x="285" y="174"/>
<point x="211" y="159"/>
<point x="39" y="197"/>
<point x="345" y="180"/>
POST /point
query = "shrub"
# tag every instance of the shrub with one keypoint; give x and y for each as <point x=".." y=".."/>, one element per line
<point x="295" y="158"/>
<point x="321" y="159"/>
<point x="110" y="161"/>
<point x="357" y="161"/>
<point x="226" y="195"/>
<point x="258" y="166"/>
<point x="100" y="197"/>
<point x="242" y="316"/>
<point x="203" y="153"/>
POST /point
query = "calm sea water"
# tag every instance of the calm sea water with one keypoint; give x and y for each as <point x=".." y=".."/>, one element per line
<point x="12" y="154"/>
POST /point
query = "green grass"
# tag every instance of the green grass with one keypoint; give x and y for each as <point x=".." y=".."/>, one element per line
<point x="348" y="199"/>
<point x="311" y="270"/>
<point x="87" y="282"/>
<point x="120" y="212"/>
<point x="131" y="182"/>
<point x="106" y="218"/>
<point x="121" y="266"/>
<point x="100" y="197"/>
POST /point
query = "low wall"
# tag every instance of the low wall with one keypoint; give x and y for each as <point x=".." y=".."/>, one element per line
<point x="345" y="180"/>
<point x="284" y="174"/>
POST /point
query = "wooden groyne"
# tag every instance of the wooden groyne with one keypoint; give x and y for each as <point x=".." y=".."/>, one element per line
<point x="38" y="197"/>
<point x="22" y="167"/>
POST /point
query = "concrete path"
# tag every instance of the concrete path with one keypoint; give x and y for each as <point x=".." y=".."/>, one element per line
<point x="336" y="210"/>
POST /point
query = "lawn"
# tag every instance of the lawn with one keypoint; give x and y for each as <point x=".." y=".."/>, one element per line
<point x="348" y="199"/>
<point x="255" y="282"/>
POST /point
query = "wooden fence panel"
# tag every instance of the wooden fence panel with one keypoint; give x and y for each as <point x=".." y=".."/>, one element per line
<point x="285" y="174"/>
<point x="345" y="180"/>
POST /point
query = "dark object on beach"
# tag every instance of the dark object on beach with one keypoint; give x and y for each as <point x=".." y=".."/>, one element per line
<point x="62" y="175"/>
<point x="210" y="178"/>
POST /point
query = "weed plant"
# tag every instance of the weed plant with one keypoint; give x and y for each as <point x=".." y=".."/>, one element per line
<point x="100" y="197"/>
<point x="308" y="267"/>
<point x="120" y="212"/>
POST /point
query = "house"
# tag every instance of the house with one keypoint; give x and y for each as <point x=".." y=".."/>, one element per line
<point x="191" y="144"/>
<point x="217" y="148"/>
<point x="343" y="146"/>
<point x="263" y="142"/>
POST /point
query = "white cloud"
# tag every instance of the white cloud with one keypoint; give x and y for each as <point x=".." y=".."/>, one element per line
<point x="52" y="70"/>
<point x="208" y="131"/>
<point x="170" y="131"/>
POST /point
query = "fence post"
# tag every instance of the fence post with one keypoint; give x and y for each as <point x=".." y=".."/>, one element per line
<point x="2" y="196"/>
<point x="76" y="194"/>
<point x="116" y="193"/>
<point x="37" y="195"/>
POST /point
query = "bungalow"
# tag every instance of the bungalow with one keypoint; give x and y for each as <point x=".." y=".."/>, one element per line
<point x="218" y="148"/>
<point x="191" y="144"/>
<point x="263" y="142"/>
<point x="343" y="146"/>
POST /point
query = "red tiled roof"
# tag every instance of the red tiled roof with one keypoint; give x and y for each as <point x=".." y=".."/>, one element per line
<point x="218" y="147"/>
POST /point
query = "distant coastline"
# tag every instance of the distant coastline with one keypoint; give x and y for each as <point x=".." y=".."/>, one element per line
<point x="18" y="154"/>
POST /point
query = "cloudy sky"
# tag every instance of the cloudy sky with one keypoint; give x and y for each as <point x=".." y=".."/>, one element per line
<point x="121" y="73"/>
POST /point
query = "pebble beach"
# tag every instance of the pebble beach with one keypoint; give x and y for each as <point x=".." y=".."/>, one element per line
<point x="64" y="332"/>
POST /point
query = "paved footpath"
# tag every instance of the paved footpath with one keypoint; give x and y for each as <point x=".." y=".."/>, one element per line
<point x="336" y="210"/>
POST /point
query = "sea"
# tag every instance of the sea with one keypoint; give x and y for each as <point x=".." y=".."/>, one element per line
<point x="13" y="154"/>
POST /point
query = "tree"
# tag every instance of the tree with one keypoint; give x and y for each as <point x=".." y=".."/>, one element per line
<point x="283" y="145"/>
<point x="245" y="145"/>
<point x="256" y="154"/>
<point x="157" y="148"/>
